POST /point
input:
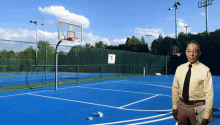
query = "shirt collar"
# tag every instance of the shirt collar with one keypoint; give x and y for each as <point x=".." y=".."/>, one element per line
<point x="194" y="64"/>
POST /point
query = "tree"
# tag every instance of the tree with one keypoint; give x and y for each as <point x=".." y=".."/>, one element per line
<point x="62" y="60"/>
<point x="78" y="46"/>
<point x="142" y="40"/>
<point x="156" y="45"/>
<point x="4" y="54"/>
<point x="135" y="41"/>
<point x="41" y="55"/>
<point x="105" y="45"/>
<point x="7" y="54"/>
<point x="87" y="45"/>
<point x="28" y="53"/>
<point x="99" y="44"/>
<point x="128" y="41"/>
<point x="114" y="47"/>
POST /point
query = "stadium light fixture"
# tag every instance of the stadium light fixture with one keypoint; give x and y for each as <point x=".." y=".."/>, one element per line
<point x="205" y="4"/>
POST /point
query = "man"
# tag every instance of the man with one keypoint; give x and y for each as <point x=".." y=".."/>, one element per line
<point x="192" y="87"/>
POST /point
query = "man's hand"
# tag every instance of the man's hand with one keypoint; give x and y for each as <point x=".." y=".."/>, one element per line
<point x="175" y="112"/>
<point x="204" y="121"/>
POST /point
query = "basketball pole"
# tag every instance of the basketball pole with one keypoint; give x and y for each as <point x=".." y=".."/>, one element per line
<point x="56" y="58"/>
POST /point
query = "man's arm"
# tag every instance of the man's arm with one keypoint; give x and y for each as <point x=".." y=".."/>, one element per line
<point x="175" y="92"/>
<point x="208" y="89"/>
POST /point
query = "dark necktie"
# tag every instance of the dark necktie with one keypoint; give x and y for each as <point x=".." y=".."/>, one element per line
<point x="186" y="84"/>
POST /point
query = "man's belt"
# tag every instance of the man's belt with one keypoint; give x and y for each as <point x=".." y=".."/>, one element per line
<point x="191" y="102"/>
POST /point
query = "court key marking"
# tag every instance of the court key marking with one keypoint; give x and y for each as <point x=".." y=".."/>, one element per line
<point x="139" y="101"/>
<point x="70" y="100"/>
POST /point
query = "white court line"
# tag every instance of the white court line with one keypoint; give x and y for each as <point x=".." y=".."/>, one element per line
<point x="12" y="95"/>
<point x="79" y="86"/>
<point x="117" y="90"/>
<point x="160" y="86"/>
<point x="151" y="85"/>
<point x="125" y="91"/>
<point x="139" y="101"/>
<point x="149" y="82"/>
<point x="141" y="123"/>
<point x="155" y="116"/>
<point x="51" y="90"/>
<point x="71" y="100"/>
<point x="99" y="104"/>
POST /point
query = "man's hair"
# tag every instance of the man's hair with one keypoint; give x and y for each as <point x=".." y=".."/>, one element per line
<point x="193" y="41"/>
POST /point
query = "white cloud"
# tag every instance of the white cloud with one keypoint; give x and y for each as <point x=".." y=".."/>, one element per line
<point x="45" y="19"/>
<point x="180" y="28"/>
<point x="143" y="32"/>
<point x="16" y="34"/>
<point x="62" y="14"/>
<point x="172" y="35"/>
<point x="195" y="32"/>
<point x="203" y="14"/>
<point x="92" y="39"/>
<point x="30" y="36"/>
<point x="24" y="35"/>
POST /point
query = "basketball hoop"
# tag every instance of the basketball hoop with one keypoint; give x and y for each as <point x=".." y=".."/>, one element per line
<point x="70" y="38"/>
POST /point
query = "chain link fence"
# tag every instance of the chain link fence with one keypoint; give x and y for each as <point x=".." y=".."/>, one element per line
<point x="25" y="68"/>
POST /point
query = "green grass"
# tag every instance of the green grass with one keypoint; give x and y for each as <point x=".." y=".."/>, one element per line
<point x="40" y="85"/>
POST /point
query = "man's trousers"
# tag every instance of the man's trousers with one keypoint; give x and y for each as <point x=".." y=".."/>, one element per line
<point x="186" y="113"/>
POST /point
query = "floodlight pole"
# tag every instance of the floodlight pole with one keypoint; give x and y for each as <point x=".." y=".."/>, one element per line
<point x="205" y="4"/>
<point x="56" y="60"/>
<point x="149" y="35"/>
<point x="206" y="8"/>
<point x="176" y="7"/>
<point x="35" y="22"/>
<point x="186" y="28"/>
<point x="175" y="23"/>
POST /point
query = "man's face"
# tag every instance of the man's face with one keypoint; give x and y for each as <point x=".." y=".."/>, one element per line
<point x="192" y="53"/>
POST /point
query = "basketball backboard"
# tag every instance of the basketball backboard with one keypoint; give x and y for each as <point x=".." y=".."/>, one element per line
<point x="69" y="31"/>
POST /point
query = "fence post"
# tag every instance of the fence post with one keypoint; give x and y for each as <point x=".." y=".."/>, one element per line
<point x="101" y="62"/>
<point x="46" y="66"/>
<point x="166" y="66"/>
<point x="77" y="65"/>
<point x="134" y="63"/>
<point x="119" y="65"/>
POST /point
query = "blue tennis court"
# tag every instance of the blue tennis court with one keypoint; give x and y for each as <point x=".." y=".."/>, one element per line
<point x="138" y="100"/>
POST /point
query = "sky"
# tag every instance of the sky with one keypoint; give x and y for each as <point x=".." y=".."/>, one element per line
<point x="110" y="21"/>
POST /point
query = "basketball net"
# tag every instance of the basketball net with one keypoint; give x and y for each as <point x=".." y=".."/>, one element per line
<point x="70" y="38"/>
<point x="72" y="28"/>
